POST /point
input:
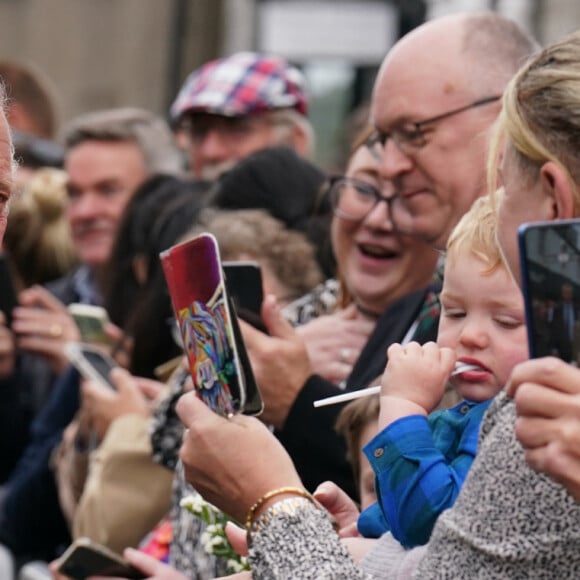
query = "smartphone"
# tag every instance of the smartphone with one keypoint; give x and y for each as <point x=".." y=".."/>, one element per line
<point x="550" y="269"/>
<point x="85" y="558"/>
<point x="244" y="284"/>
<point x="218" y="361"/>
<point x="91" y="362"/>
<point x="91" y="321"/>
<point x="8" y="295"/>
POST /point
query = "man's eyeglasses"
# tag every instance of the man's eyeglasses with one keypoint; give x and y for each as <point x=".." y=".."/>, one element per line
<point x="353" y="199"/>
<point x="412" y="135"/>
<point x="199" y="125"/>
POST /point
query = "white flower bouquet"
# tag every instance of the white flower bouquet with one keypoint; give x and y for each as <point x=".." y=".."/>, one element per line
<point x="213" y="538"/>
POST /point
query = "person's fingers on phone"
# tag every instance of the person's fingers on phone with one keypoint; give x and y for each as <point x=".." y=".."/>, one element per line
<point x="276" y="324"/>
<point x="130" y="397"/>
<point x="149" y="388"/>
<point x="45" y="333"/>
<point x="238" y="538"/>
<point x="96" y="400"/>
<point x="114" y="333"/>
<point x="280" y="363"/>
<point x="56" y="575"/>
<point x="238" y="576"/>
<point x="191" y="409"/>
<point x="122" y="349"/>
<point x="37" y="296"/>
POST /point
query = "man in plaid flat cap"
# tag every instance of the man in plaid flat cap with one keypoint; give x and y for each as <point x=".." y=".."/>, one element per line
<point x="234" y="106"/>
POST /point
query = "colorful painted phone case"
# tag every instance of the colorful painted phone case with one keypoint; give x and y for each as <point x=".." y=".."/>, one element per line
<point x="208" y="326"/>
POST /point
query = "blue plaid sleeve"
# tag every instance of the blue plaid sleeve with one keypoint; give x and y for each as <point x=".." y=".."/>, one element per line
<point x="420" y="465"/>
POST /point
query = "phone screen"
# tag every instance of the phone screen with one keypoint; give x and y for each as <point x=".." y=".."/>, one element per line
<point x="550" y="267"/>
<point x="91" y="362"/>
<point x="244" y="285"/>
<point x="207" y="325"/>
<point x="91" y="321"/>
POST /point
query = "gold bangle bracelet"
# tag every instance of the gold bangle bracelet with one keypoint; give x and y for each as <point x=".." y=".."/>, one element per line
<point x="280" y="491"/>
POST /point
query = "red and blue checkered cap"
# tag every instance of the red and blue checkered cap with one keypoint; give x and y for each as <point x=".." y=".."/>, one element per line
<point x="242" y="84"/>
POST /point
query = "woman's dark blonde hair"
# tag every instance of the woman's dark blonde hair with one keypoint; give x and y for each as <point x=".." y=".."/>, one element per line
<point x="38" y="236"/>
<point x="540" y="117"/>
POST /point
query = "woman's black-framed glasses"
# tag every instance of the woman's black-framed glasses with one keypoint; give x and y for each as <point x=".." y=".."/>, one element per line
<point x="353" y="199"/>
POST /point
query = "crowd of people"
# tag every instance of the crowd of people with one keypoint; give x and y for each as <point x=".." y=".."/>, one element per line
<point x="402" y="271"/>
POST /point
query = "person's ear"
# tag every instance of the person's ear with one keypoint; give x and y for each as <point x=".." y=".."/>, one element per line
<point x="556" y="186"/>
<point x="300" y="140"/>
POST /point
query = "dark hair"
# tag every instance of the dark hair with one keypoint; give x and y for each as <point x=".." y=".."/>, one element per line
<point x="159" y="213"/>
<point x="287" y="186"/>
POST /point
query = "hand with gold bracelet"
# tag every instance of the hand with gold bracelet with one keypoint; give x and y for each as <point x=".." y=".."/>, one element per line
<point x="234" y="463"/>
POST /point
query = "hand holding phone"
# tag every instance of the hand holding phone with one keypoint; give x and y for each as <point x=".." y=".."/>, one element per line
<point x="91" y="362"/>
<point x="209" y="328"/>
<point x="86" y="558"/>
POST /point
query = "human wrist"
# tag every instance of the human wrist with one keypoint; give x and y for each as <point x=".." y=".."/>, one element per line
<point x="273" y="497"/>
<point x="287" y="503"/>
<point x="395" y="407"/>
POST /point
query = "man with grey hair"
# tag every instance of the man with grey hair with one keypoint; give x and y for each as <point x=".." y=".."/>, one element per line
<point x="108" y="154"/>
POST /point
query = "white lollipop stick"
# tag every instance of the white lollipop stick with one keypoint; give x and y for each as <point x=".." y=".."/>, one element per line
<point x="351" y="395"/>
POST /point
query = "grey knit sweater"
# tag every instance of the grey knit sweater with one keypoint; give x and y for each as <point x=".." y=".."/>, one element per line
<point x="509" y="522"/>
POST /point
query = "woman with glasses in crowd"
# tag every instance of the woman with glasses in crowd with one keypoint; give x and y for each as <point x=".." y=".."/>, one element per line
<point x="376" y="267"/>
<point x="386" y="286"/>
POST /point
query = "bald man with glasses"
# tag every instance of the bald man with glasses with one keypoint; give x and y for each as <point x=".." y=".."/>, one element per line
<point x="435" y="99"/>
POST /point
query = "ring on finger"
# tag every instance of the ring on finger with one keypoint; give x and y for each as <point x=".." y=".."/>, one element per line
<point x="55" y="330"/>
<point x="344" y="355"/>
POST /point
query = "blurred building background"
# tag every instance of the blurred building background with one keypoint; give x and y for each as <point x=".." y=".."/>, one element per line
<point x="108" y="53"/>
